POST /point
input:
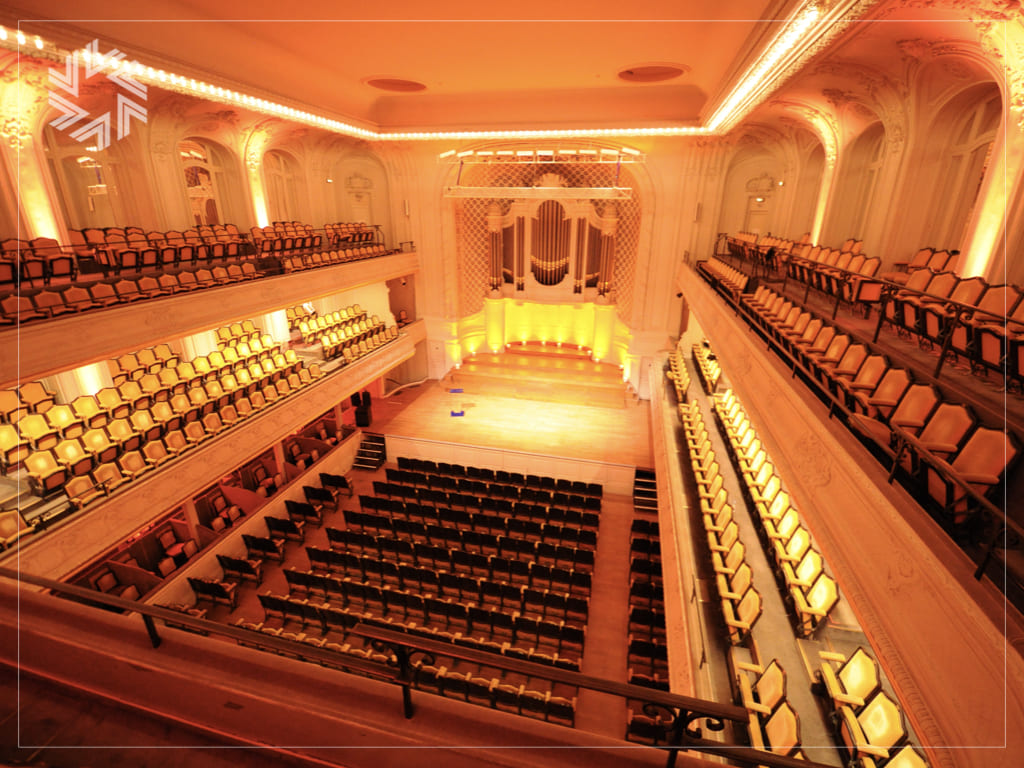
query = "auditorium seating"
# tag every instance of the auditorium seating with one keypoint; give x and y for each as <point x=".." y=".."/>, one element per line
<point x="159" y="408"/>
<point x="707" y="366"/>
<point x="873" y="730"/>
<point x="812" y="593"/>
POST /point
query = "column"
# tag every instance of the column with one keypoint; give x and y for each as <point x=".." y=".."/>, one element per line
<point x="23" y="99"/>
<point x="494" y="244"/>
<point x="609" y="224"/>
<point x="494" y="323"/>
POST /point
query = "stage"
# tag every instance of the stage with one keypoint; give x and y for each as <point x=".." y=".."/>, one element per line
<point x="546" y="373"/>
<point x="571" y="440"/>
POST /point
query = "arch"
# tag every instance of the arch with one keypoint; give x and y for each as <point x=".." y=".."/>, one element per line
<point x="281" y="175"/>
<point x="748" y="195"/>
<point x="859" y="176"/>
<point x="961" y="137"/>
<point x="812" y="169"/>
<point x="211" y="182"/>
<point x="88" y="181"/>
<point x="360" y="190"/>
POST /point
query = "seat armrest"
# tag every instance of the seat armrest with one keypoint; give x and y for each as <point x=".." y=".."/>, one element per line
<point x="974" y="478"/>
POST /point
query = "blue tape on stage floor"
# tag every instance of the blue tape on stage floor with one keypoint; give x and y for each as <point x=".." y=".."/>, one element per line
<point x="454" y="390"/>
<point x="458" y="413"/>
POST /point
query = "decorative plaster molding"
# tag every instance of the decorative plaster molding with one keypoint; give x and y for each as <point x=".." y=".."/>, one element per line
<point x="1000" y="10"/>
<point x="15" y="133"/>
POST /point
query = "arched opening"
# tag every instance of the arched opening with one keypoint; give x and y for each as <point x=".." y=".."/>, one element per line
<point x="748" y="197"/>
<point x="211" y="183"/>
<point x="808" y="188"/>
<point x="280" y="175"/>
<point x="86" y="180"/>
<point x="973" y="119"/>
<point x="860" y="177"/>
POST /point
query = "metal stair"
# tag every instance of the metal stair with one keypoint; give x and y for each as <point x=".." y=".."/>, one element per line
<point x="372" y="452"/>
<point x="645" y="491"/>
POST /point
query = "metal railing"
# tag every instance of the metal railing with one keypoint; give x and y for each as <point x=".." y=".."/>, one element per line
<point x="685" y="718"/>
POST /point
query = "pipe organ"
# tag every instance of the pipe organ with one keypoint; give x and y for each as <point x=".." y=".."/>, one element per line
<point x="556" y="246"/>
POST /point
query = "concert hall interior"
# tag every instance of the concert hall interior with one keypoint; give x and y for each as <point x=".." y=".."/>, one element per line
<point x="512" y="386"/>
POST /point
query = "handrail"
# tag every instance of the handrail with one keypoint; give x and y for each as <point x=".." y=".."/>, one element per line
<point x="1004" y="522"/>
<point x="683" y="713"/>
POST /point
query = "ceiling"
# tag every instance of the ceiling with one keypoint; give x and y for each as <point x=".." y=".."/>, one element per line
<point x="550" y="65"/>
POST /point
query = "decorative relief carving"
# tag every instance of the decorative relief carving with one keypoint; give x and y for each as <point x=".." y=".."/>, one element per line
<point x="1001" y="10"/>
<point x="810" y="460"/>
<point x="836" y="96"/>
<point x="956" y="68"/>
<point x="15" y="132"/>
<point x="917" y="48"/>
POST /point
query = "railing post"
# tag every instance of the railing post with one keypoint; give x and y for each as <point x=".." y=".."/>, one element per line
<point x="881" y="315"/>
<point x="154" y="636"/>
<point x="947" y="341"/>
<point x="402" y="654"/>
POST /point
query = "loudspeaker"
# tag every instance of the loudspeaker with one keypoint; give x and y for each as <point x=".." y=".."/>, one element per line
<point x="366" y="398"/>
<point x="363" y="416"/>
<point x="356" y="399"/>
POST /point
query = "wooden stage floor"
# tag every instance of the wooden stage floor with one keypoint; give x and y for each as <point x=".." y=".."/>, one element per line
<point x="569" y="430"/>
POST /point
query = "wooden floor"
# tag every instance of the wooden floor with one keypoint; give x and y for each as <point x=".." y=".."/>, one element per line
<point x="543" y="372"/>
<point x="569" y="430"/>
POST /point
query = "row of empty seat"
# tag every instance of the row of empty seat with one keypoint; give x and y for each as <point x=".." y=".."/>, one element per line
<point x="707" y="367"/>
<point x="732" y="279"/>
<point x="573" y="498"/>
<point x="501" y="476"/>
<point x="869" y="723"/>
<point x="868" y="388"/>
<point x="47" y="303"/>
<point x="574" y="557"/>
<point x="511" y="566"/>
<point x="741" y="603"/>
<point x="811" y="592"/>
<point x="678" y="373"/>
<point x="297" y="262"/>
<point x="98" y="442"/>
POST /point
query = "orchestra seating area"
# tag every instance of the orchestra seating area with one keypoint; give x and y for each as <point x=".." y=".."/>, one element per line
<point x="471" y="570"/>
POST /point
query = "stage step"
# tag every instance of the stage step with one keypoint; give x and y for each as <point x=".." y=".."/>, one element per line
<point x="372" y="452"/>
<point x="645" y="491"/>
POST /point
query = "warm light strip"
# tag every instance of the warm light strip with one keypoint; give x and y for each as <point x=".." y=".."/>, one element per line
<point x="764" y="68"/>
<point x="741" y="99"/>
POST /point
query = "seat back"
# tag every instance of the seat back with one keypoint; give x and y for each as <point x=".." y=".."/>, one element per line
<point x="852" y="360"/>
<point x="771" y="685"/>
<point x="987" y="453"/>
<point x="946" y="429"/>
<point x="859" y="675"/>
<point x="916" y="406"/>
<point x="782" y="731"/>
<point x="942" y="284"/>
<point x="882" y="722"/>
<point x="824" y="594"/>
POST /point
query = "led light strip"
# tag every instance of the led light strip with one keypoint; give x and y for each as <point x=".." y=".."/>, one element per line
<point x="741" y="99"/>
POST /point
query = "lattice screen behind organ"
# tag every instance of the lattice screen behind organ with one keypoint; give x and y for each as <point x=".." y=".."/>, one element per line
<point x="471" y="224"/>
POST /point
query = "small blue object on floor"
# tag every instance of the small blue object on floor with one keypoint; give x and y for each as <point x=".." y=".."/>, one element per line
<point x="459" y="413"/>
<point x="455" y="390"/>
